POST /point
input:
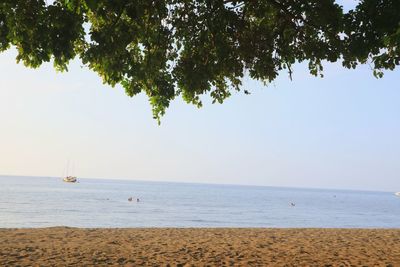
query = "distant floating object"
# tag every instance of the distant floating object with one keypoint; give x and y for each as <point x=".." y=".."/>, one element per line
<point x="397" y="194"/>
<point x="292" y="204"/>
<point x="70" y="179"/>
<point x="131" y="199"/>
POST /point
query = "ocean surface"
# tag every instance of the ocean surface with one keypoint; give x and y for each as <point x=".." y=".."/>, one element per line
<point x="44" y="202"/>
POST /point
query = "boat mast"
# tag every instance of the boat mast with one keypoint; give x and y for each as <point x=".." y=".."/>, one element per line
<point x="67" y="167"/>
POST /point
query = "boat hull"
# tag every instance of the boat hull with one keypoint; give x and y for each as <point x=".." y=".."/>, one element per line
<point x="70" y="179"/>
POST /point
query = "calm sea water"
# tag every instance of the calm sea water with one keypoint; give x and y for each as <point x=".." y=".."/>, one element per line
<point x="43" y="202"/>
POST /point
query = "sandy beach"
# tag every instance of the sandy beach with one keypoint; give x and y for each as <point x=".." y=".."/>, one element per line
<point x="62" y="246"/>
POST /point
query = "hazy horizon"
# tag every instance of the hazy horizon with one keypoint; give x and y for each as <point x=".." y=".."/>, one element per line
<point x="121" y="179"/>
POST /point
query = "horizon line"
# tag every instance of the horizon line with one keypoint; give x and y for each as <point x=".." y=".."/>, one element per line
<point x="200" y="183"/>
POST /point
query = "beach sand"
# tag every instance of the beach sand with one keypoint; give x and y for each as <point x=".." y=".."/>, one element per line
<point x="62" y="246"/>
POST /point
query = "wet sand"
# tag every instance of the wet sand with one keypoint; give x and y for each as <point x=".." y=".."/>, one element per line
<point x="62" y="246"/>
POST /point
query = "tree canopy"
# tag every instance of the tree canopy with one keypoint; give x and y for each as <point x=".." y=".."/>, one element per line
<point x="170" y="48"/>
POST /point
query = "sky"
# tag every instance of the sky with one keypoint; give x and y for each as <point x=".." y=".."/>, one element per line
<point x="341" y="131"/>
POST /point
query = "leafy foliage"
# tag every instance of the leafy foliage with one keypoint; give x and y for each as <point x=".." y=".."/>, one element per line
<point x="170" y="48"/>
<point x="373" y="32"/>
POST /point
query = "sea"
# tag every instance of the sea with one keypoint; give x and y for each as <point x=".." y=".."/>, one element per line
<point x="47" y="202"/>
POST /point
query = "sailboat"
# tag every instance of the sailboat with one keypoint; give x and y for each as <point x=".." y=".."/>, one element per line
<point x="397" y="194"/>
<point x="69" y="178"/>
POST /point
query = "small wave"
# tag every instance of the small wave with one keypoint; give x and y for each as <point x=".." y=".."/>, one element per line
<point x="207" y="221"/>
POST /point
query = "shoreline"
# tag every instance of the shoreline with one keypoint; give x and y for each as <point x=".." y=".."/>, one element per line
<point x="200" y="246"/>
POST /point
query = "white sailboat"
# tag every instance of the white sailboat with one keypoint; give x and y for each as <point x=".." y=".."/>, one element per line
<point x="397" y="194"/>
<point x="69" y="178"/>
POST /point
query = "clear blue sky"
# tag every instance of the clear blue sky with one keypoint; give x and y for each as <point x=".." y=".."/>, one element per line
<point x="341" y="131"/>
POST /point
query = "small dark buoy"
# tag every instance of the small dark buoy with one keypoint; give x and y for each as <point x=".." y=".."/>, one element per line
<point x="130" y="199"/>
<point x="137" y="200"/>
<point x="292" y="204"/>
